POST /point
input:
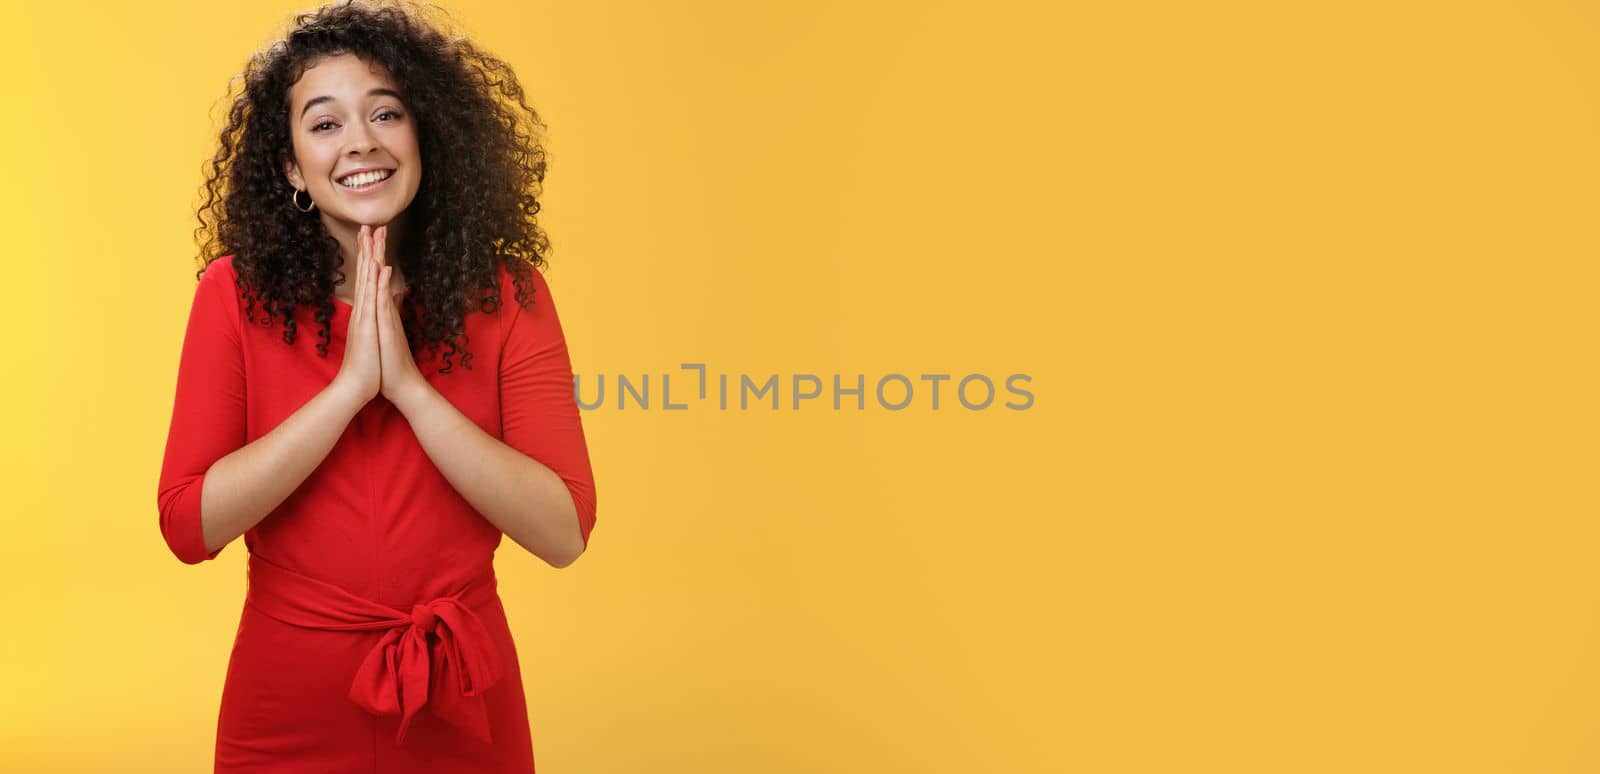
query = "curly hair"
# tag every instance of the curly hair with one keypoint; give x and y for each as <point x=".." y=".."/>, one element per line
<point x="475" y="207"/>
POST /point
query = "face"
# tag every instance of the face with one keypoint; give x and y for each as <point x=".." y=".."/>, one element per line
<point x="346" y="116"/>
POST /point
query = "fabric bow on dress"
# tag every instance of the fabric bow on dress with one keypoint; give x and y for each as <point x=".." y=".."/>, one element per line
<point x="397" y="675"/>
<point x="439" y="655"/>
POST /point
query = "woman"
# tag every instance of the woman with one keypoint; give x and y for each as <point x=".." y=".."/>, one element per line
<point x="377" y="181"/>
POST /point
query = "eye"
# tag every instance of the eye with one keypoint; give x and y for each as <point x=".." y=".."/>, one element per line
<point x="317" y="127"/>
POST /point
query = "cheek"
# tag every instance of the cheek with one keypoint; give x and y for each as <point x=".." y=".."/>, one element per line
<point x="312" y="169"/>
<point x="413" y="149"/>
<point x="313" y="159"/>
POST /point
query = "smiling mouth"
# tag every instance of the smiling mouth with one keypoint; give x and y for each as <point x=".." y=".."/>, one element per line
<point x="365" y="180"/>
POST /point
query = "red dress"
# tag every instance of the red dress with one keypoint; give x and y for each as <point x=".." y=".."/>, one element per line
<point x="372" y="637"/>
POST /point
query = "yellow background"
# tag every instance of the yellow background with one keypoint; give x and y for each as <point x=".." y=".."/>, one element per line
<point x="1307" y="292"/>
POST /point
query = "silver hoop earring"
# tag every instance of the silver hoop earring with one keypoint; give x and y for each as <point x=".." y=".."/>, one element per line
<point x="294" y="198"/>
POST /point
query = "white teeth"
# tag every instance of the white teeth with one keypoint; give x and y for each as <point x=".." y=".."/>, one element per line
<point x="365" y="178"/>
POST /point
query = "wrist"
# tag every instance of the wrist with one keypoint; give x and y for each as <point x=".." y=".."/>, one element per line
<point x="346" y="394"/>
<point x="413" y="396"/>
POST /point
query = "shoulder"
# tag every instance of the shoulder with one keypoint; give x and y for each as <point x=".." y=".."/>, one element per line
<point x="533" y="280"/>
<point x="221" y="273"/>
<point x="535" y="322"/>
<point x="219" y="287"/>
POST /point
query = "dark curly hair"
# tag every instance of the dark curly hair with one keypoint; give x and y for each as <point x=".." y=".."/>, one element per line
<point x="475" y="207"/>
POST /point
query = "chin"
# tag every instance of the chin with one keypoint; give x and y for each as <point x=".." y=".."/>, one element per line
<point x="375" y="215"/>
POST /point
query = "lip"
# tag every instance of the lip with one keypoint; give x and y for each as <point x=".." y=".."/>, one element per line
<point x="362" y="191"/>
<point x="357" y="171"/>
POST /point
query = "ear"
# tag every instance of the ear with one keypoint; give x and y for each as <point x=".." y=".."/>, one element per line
<point x="291" y="170"/>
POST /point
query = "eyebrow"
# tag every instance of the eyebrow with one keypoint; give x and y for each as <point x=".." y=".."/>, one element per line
<point x="378" y="92"/>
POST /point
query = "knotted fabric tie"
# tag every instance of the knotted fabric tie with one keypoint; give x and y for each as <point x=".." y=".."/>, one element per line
<point x="439" y="654"/>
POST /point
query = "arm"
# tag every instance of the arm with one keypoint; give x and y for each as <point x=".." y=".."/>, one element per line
<point x="536" y="486"/>
<point x="521" y="496"/>
<point x="214" y="486"/>
<point x="243" y="487"/>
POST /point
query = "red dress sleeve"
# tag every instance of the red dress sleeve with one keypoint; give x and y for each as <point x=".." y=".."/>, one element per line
<point x="208" y="411"/>
<point x="538" y="404"/>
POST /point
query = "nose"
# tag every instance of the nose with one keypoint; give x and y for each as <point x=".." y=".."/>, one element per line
<point x="361" y="140"/>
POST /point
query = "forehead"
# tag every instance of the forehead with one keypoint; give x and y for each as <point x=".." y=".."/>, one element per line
<point x="345" y="77"/>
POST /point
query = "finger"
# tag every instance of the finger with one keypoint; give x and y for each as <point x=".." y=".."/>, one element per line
<point x="379" y="306"/>
<point x="366" y="288"/>
<point x="355" y="292"/>
<point x="380" y="245"/>
<point x="364" y="250"/>
<point x="372" y="287"/>
<point x="360" y="292"/>
<point x="375" y="304"/>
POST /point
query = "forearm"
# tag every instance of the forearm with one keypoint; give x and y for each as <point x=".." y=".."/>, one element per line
<point x="240" y="489"/>
<point x="521" y="496"/>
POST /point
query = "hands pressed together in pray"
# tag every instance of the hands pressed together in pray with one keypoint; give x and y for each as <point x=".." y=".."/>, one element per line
<point x="521" y="496"/>
<point x="377" y="357"/>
